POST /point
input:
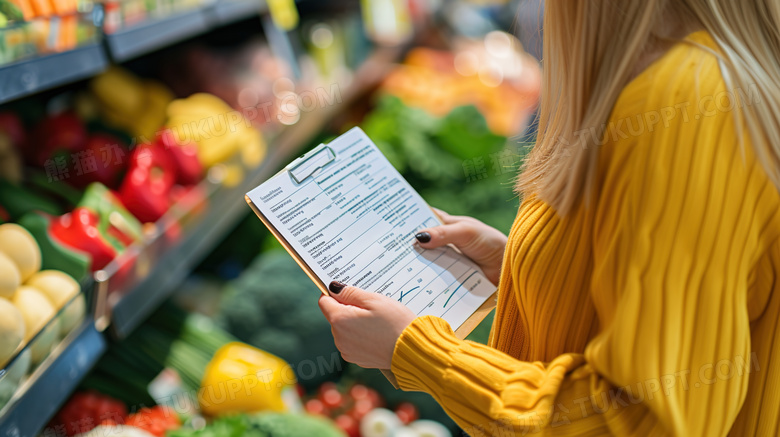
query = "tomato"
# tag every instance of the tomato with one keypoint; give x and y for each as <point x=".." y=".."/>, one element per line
<point x="330" y="395"/>
<point x="85" y="410"/>
<point x="348" y="425"/>
<point x="315" y="406"/>
<point x="407" y="412"/>
<point x="361" y="408"/>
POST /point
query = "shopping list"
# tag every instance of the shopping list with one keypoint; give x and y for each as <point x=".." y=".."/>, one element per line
<point x="351" y="217"/>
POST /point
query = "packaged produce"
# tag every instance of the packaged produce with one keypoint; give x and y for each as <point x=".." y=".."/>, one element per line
<point x="37" y="313"/>
<point x="20" y="246"/>
<point x="61" y="290"/>
<point x="240" y="378"/>
<point x="12" y="331"/>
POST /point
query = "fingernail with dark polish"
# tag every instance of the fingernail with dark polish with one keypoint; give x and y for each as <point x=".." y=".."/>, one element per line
<point x="335" y="287"/>
<point x="423" y="237"/>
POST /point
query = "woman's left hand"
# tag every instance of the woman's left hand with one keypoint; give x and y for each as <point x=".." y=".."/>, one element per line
<point x="365" y="325"/>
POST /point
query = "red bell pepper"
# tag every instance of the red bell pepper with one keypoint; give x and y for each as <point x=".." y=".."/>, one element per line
<point x="86" y="410"/>
<point x="59" y="134"/>
<point x="106" y="154"/>
<point x="80" y="230"/>
<point x="146" y="189"/>
<point x="119" y="227"/>
<point x="189" y="169"/>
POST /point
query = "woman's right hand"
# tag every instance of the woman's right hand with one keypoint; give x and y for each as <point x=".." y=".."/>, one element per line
<point x="483" y="244"/>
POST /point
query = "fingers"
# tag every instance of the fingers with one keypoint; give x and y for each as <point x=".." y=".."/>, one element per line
<point x="329" y="307"/>
<point x="349" y="295"/>
<point x="447" y="218"/>
<point x="460" y="233"/>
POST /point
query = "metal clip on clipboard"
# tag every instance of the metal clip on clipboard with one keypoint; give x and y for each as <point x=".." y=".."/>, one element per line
<point x="311" y="163"/>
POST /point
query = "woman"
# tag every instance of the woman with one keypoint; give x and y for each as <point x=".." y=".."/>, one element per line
<point x="638" y="290"/>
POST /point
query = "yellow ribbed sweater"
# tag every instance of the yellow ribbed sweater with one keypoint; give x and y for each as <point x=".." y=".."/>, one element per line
<point x="652" y="311"/>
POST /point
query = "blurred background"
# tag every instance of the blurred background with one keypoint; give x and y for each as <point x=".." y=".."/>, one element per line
<point x="138" y="292"/>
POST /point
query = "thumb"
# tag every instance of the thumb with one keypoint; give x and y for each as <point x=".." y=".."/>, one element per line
<point x="461" y="234"/>
<point x="348" y="295"/>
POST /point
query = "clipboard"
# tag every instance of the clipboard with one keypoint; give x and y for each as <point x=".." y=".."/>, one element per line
<point x="309" y="166"/>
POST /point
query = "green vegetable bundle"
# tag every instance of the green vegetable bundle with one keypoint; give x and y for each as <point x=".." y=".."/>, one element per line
<point x="170" y="338"/>
<point x="265" y="425"/>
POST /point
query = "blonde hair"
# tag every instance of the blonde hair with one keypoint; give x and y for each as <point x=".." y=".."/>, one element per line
<point x="591" y="49"/>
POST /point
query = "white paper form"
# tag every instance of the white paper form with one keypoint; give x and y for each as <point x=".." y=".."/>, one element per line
<point x="351" y="217"/>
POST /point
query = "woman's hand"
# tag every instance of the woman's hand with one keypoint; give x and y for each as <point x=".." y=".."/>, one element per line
<point x="365" y="325"/>
<point x="483" y="244"/>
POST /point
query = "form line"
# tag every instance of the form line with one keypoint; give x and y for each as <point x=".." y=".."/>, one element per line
<point x="404" y="294"/>
<point x="458" y="287"/>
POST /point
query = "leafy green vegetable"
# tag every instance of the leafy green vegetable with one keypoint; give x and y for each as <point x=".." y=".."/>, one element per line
<point x="232" y="426"/>
<point x="456" y="163"/>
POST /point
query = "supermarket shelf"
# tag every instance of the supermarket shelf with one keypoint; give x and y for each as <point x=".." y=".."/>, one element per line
<point x="229" y="11"/>
<point x="132" y="303"/>
<point x="155" y="34"/>
<point x="34" y="75"/>
<point x="44" y="392"/>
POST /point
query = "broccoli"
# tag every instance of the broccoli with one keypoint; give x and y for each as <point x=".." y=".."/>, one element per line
<point x="273" y="306"/>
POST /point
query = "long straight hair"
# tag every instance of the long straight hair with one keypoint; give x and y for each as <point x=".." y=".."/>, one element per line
<point x="591" y="49"/>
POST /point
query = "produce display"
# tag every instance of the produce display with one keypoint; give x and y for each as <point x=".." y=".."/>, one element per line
<point x="127" y="102"/>
<point x="495" y="75"/>
<point x="85" y="195"/>
<point x="104" y="181"/>
<point x="31" y="27"/>
<point x="37" y="307"/>
<point x="125" y="13"/>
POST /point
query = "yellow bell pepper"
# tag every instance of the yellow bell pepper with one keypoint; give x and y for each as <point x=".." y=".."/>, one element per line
<point x="241" y="378"/>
